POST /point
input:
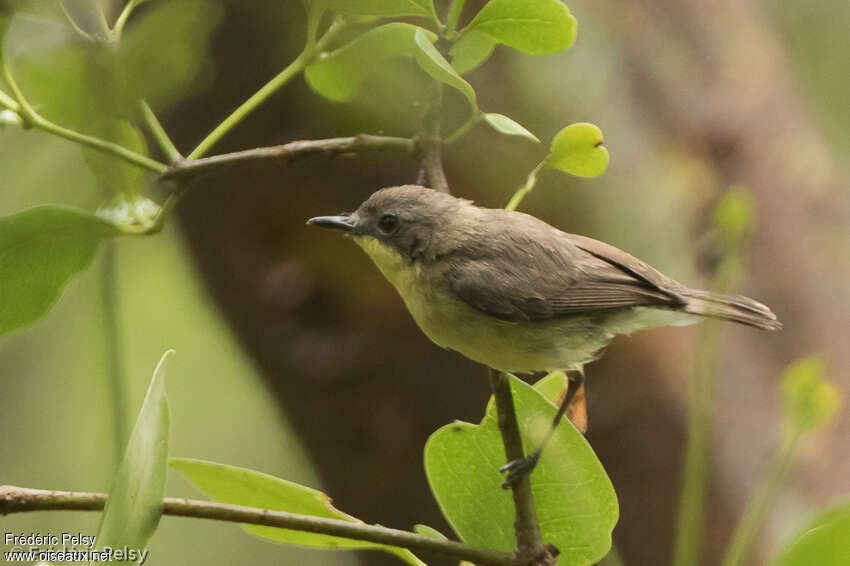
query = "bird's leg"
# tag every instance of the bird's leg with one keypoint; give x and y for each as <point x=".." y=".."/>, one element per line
<point x="517" y="469"/>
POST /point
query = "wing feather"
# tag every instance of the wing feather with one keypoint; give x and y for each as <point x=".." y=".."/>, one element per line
<point x="516" y="277"/>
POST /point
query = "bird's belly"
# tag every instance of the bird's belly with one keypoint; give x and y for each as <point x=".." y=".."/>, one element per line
<point x="509" y="346"/>
<point x="449" y="322"/>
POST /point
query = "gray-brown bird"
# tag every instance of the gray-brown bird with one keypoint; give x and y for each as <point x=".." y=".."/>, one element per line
<point x="509" y="291"/>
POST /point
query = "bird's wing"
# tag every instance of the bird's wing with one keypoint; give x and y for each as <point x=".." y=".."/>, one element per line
<point x="515" y="277"/>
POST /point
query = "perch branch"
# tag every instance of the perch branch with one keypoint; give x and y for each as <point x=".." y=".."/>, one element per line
<point x="529" y="540"/>
<point x="20" y="499"/>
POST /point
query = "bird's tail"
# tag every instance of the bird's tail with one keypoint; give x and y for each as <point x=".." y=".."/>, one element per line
<point x="735" y="308"/>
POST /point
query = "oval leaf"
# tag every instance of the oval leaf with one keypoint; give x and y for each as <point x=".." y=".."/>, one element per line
<point x="576" y="504"/>
<point x="339" y="74"/>
<point x="505" y="125"/>
<point x="384" y="8"/>
<point x="433" y="63"/>
<point x="240" y="486"/>
<point x="134" y="506"/>
<point x="536" y="27"/>
<point x="578" y="150"/>
<point x="41" y="249"/>
<point x="825" y="542"/>
<point x="470" y="51"/>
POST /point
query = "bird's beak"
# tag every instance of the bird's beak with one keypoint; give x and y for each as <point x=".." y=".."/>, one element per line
<point x="344" y="222"/>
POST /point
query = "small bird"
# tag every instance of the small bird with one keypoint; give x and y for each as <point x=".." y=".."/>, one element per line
<point x="509" y="291"/>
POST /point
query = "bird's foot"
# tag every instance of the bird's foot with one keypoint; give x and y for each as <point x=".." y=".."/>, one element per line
<point x="518" y="469"/>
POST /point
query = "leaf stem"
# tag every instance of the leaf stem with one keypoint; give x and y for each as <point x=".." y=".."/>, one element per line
<point x="118" y="28"/>
<point x="521" y="192"/>
<point x="32" y="119"/>
<point x="113" y="346"/>
<point x="455" y="10"/>
<point x="760" y="503"/>
<point x="698" y="448"/>
<point x="293" y="69"/>
<point x="159" y="134"/>
<point x="9" y="102"/>
<point x="73" y="22"/>
<point x="463" y="128"/>
<point x="19" y="499"/>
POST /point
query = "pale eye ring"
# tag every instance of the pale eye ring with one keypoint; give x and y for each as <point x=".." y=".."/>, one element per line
<point x="388" y="223"/>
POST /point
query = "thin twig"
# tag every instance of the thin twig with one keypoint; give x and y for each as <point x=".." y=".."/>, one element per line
<point x="311" y="49"/>
<point x="529" y="539"/>
<point x="19" y="499"/>
<point x="159" y="134"/>
<point x="289" y="152"/>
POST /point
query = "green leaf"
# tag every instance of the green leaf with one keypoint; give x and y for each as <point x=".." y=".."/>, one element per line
<point x="385" y="8"/>
<point x="824" y="542"/>
<point x="576" y="504"/>
<point x="338" y="75"/>
<point x="578" y="150"/>
<point x="240" y="486"/>
<point x="41" y="249"/>
<point x="552" y="386"/>
<point x="505" y="125"/>
<point x="134" y="506"/>
<point x="536" y="27"/>
<point x="433" y="63"/>
<point x="470" y="51"/>
<point x="164" y="54"/>
<point x="808" y="400"/>
<point x="116" y="175"/>
<point x="162" y="57"/>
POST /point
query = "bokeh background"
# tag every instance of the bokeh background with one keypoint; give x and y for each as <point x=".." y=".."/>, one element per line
<point x="296" y="358"/>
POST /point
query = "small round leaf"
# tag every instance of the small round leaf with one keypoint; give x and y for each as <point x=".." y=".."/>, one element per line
<point x="578" y="150"/>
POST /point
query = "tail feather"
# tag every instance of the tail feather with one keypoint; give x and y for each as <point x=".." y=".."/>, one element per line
<point x="735" y="308"/>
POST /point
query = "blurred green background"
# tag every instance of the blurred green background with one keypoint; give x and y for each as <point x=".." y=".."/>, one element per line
<point x="295" y="357"/>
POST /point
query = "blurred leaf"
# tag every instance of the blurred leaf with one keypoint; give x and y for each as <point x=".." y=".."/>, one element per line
<point x="433" y="63"/>
<point x="576" y="504"/>
<point x="578" y="150"/>
<point x="384" y="8"/>
<point x="536" y="27"/>
<point x="470" y="51"/>
<point x="505" y="125"/>
<point x="77" y="82"/>
<point x="825" y="542"/>
<point x="240" y="486"/>
<point x="734" y="215"/>
<point x="338" y="75"/>
<point x="116" y="175"/>
<point x="165" y="50"/>
<point x="134" y="506"/>
<point x="41" y="249"/>
<point x="808" y="400"/>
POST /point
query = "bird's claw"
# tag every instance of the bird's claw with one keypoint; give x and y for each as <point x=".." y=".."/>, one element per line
<point x="518" y="469"/>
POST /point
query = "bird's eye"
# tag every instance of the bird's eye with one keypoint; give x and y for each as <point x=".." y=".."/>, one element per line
<point x="388" y="223"/>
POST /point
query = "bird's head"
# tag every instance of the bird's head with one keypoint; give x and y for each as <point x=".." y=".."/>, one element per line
<point x="403" y="219"/>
